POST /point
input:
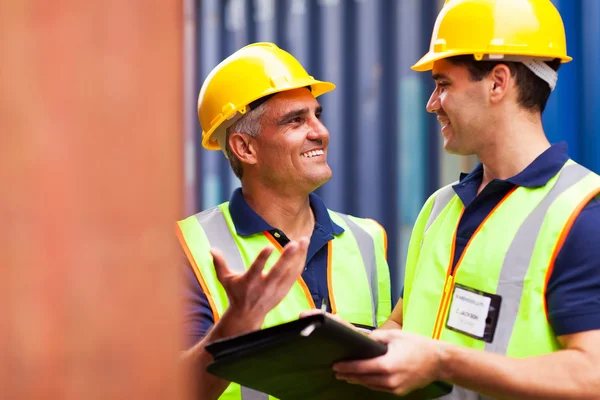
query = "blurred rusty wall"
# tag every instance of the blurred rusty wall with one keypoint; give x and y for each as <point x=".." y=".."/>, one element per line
<point x="91" y="179"/>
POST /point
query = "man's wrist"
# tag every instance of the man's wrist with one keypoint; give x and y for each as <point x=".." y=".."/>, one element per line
<point x="444" y="351"/>
<point x="237" y="322"/>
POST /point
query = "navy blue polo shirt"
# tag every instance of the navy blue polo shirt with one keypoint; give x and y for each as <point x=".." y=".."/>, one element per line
<point x="573" y="292"/>
<point x="198" y="317"/>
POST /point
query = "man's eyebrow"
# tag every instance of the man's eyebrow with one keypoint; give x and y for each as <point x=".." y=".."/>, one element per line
<point x="292" y="114"/>
<point x="295" y="113"/>
<point x="439" y="76"/>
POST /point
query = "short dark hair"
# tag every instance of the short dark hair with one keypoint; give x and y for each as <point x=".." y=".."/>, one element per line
<point x="533" y="91"/>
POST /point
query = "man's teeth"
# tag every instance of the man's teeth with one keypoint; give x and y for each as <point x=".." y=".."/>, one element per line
<point x="313" y="153"/>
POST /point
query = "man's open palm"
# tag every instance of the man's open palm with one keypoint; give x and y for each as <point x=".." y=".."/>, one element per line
<point x="256" y="292"/>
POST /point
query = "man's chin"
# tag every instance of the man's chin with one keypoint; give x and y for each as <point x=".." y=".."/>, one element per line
<point x="316" y="181"/>
<point x="454" y="149"/>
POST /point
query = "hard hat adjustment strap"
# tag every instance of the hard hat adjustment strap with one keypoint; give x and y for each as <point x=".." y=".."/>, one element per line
<point x="535" y="64"/>
<point x="542" y="71"/>
<point x="256" y="103"/>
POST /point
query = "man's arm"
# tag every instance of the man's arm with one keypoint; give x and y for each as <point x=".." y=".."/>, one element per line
<point x="251" y="296"/>
<point x="196" y="359"/>
<point x="413" y="361"/>
<point x="395" y="319"/>
<point x="572" y="373"/>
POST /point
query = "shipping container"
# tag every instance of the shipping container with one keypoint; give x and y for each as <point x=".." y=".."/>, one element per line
<point x="385" y="150"/>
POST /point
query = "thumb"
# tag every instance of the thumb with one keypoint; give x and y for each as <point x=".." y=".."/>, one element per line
<point x="384" y="335"/>
<point x="308" y="313"/>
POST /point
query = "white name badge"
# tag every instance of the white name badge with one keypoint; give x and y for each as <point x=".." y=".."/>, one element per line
<point x="468" y="312"/>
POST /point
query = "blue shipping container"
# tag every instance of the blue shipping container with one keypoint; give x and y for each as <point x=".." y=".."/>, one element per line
<point x="385" y="148"/>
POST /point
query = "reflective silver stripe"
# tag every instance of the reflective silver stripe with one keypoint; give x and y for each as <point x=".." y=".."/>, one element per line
<point x="215" y="227"/>
<point x="251" y="394"/>
<point x="440" y="202"/>
<point x="366" y="246"/>
<point x="217" y="231"/>
<point x="517" y="259"/>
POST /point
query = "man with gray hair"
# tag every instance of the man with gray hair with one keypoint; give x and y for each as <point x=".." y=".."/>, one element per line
<point x="259" y="107"/>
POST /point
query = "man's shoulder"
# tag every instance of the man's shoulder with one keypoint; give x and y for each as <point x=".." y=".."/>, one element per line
<point x="580" y="239"/>
<point x="346" y="216"/>
<point x="207" y="212"/>
<point x="442" y="196"/>
<point x="366" y="223"/>
<point x="444" y="190"/>
<point x="572" y="291"/>
<point x="588" y="220"/>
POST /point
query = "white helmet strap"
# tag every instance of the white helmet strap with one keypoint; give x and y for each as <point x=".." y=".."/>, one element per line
<point x="543" y="71"/>
<point x="535" y="64"/>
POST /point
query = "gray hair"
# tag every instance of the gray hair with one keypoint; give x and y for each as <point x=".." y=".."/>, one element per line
<point x="249" y="124"/>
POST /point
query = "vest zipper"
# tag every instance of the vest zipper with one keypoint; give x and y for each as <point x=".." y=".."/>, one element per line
<point x="448" y="289"/>
<point x="437" y="327"/>
<point x="451" y="275"/>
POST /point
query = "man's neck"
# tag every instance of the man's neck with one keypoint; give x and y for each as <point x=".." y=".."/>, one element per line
<point x="517" y="143"/>
<point x="290" y="213"/>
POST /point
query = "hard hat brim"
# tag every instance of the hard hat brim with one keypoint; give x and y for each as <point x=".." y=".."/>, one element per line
<point x="426" y="62"/>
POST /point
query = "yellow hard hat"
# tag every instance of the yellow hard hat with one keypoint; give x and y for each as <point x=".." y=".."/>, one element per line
<point x="254" y="71"/>
<point x="496" y="29"/>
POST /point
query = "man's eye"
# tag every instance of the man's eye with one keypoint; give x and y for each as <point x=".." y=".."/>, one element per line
<point x="296" y="120"/>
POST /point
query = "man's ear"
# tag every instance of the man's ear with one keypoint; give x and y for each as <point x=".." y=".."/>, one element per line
<point x="243" y="146"/>
<point x="500" y="82"/>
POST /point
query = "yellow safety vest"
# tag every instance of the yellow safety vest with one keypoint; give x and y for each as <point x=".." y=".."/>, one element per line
<point x="357" y="272"/>
<point x="511" y="255"/>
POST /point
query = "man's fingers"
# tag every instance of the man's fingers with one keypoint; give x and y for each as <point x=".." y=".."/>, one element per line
<point x="376" y="381"/>
<point x="308" y="313"/>
<point x="360" y="367"/>
<point x="285" y="259"/>
<point x="223" y="272"/>
<point x="304" y="244"/>
<point x="342" y="321"/>
<point x="290" y="264"/>
<point x="258" y="265"/>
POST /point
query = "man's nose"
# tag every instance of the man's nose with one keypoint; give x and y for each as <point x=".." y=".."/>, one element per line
<point x="318" y="130"/>
<point x="433" y="104"/>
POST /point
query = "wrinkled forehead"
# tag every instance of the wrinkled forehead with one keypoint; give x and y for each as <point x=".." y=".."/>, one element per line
<point x="284" y="102"/>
